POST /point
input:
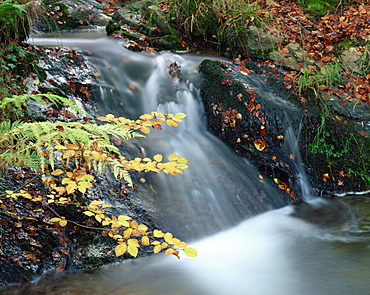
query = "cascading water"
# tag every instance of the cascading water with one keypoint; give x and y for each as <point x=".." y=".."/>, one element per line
<point x="273" y="253"/>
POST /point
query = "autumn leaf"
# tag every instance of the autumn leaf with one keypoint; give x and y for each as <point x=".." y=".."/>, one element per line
<point x="55" y="219"/>
<point x="63" y="222"/>
<point x="260" y="144"/>
<point x="88" y="213"/>
<point x="158" y="157"/>
<point x="173" y="157"/>
<point x="120" y="249"/>
<point x="172" y="123"/>
<point x="72" y="146"/>
<point x="131" y="86"/>
<point x="57" y="172"/>
<point x="190" y="252"/>
<point x="157" y="249"/>
<point x="145" y="241"/>
<point x="71" y="187"/>
<point x="158" y="233"/>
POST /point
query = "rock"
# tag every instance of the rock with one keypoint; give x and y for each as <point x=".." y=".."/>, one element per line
<point x="253" y="109"/>
<point x="70" y="15"/>
<point x="130" y="22"/>
<point x="351" y="59"/>
<point x="296" y="55"/>
<point x="261" y="43"/>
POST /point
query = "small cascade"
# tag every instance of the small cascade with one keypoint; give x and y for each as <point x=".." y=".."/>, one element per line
<point x="284" y="251"/>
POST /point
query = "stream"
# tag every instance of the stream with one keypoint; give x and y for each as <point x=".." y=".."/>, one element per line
<point x="248" y="241"/>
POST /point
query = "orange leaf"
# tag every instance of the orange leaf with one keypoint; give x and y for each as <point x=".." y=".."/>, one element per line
<point x="97" y="74"/>
<point x="84" y="89"/>
<point x="260" y="144"/>
<point x="131" y="86"/>
<point x="72" y="146"/>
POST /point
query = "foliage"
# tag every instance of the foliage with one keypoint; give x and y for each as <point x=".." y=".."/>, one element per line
<point x="313" y="78"/>
<point x="14" y="22"/>
<point x="218" y="23"/>
<point x="71" y="153"/>
<point x="18" y="102"/>
<point x="322" y="7"/>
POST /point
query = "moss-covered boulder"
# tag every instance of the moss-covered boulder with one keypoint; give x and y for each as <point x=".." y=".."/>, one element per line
<point x="141" y="22"/>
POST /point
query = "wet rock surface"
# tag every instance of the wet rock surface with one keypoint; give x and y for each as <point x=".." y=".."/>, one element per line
<point x="254" y="109"/>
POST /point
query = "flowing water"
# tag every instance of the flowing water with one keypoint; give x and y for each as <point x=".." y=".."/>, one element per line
<point x="321" y="247"/>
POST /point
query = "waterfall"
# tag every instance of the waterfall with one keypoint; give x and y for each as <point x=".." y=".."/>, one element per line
<point x="272" y="253"/>
<point x="219" y="189"/>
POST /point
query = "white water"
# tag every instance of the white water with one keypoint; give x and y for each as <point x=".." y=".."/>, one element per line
<point x="272" y="253"/>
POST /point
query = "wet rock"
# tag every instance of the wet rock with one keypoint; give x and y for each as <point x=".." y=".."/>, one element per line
<point x="296" y="55"/>
<point x="252" y="108"/>
<point x="351" y="59"/>
<point x="70" y="15"/>
<point x="251" y="118"/>
<point x="261" y="43"/>
<point x="130" y="22"/>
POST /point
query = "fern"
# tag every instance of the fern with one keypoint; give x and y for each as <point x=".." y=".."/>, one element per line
<point x="20" y="143"/>
<point x="10" y="12"/>
<point x="20" y="101"/>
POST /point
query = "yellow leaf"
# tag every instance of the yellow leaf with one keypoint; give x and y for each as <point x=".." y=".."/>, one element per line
<point x="158" y="157"/>
<point x="83" y="186"/>
<point x="63" y="222"/>
<point x="123" y="218"/>
<point x="127" y="233"/>
<point x="60" y="147"/>
<point x="180" y="115"/>
<point x="164" y="245"/>
<point x="158" y="233"/>
<point x="172" y="123"/>
<point x="147" y="123"/>
<point x="182" y="166"/>
<point x="88" y="213"/>
<point x="180" y="244"/>
<point x="55" y="219"/>
<point x="96" y="155"/>
<point x="71" y="187"/>
<point x="120" y="249"/>
<point x="68" y="154"/>
<point x="157" y="249"/>
<point x="132" y="250"/>
<point x="190" y="252"/>
<point x="110" y="117"/>
<point x="173" y="157"/>
<point x="95" y="203"/>
<point x="145" y="240"/>
<point x="177" y="119"/>
<point x="168" y="237"/>
<point x="145" y="129"/>
<point x="72" y="146"/>
<point x="146" y="117"/>
<point x="57" y="172"/>
<point x="99" y="217"/>
<point x="133" y="242"/>
<point x="142" y="228"/>
<point x="157" y="114"/>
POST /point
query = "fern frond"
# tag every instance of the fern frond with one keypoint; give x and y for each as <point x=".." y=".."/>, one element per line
<point x="8" y="125"/>
<point x="41" y="138"/>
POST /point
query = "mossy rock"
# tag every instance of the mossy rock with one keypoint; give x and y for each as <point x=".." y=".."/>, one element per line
<point x="260" y="44"/>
